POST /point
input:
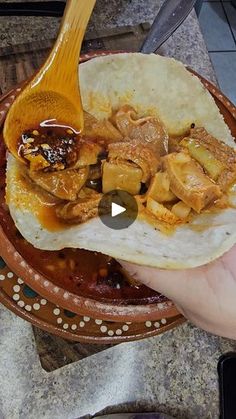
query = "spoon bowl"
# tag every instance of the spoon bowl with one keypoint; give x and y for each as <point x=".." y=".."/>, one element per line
<point x="53" y="94"/>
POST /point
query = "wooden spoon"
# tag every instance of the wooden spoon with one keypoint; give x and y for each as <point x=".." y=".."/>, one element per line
<point x="53" y="94"/>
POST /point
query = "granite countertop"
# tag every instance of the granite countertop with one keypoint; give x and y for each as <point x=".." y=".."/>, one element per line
<point x="176" y="372"/>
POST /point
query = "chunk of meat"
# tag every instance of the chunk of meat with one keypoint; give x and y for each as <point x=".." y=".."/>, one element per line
<point x="221" y="152"/>
<point x="204" y="157"/>
<point x="159" y="188"/>
<point x="100" y="129"/>
<point x="189" y="183"/>
<point x="88" y="153"/>
<point x="37" y="162"/>
<point x="142" y="155"/>
<point x="174" y="143"/>
<point x="81" y="210"/>
<point x="123" y="176"/>
<point x="161" y="212"/>
<point x="144" y="130"/>
<point x="181" y="210"/>
<point x="64" y="184"/>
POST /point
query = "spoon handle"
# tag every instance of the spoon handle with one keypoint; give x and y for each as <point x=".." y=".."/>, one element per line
<point x="63" y="60"/>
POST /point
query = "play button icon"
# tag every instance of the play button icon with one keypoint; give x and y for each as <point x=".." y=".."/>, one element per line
<point x="118" y="209"/>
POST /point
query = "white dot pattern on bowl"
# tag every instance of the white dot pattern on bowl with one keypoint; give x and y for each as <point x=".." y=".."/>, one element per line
<point x="23" y="264"/>
<point x="20" y="281"/>
<point x="125" y="328"/>
<point x="86" y="319"/>
<point x="66" y="320"/>
<point x="16" y="296"/>
<point x="103" y="329"/>
<point x="56" y="311"/>
<point x="73" y="326"/>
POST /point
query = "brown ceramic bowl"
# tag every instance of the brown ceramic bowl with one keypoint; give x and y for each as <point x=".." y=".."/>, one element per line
<point x="28" y="304"/>
<point x="132" y="304"/>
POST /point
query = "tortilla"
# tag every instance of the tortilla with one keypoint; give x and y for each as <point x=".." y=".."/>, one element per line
<point x="153" y="85"/>
<point x="156" y="86"/>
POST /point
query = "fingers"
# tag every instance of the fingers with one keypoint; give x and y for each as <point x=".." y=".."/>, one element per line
<point x="205" y="295"/>
<point x="169" y="283"/>
<point x="192" y="285"/>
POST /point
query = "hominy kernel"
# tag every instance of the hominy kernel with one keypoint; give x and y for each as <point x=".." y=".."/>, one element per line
<point x="35" y="132"/>
<point x="61" y="264"/>
<point x="51" y="268"/>
<point x="72" y="264"/>
<point x="103" y="272"/>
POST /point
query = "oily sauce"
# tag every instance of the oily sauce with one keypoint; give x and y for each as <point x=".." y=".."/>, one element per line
<point x="52" y="145"/>
<point x="88" y="274"/>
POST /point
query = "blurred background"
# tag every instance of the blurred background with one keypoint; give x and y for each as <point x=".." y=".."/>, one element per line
<point x="217" y="20"/>
<point x="218" y="24"/>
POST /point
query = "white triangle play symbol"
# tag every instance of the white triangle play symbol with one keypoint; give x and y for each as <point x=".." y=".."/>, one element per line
<point x="116" y="209"/>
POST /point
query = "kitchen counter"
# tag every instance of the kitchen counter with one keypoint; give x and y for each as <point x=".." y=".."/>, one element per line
<point x="186" y="44"/>
<point x="174" y="373"/>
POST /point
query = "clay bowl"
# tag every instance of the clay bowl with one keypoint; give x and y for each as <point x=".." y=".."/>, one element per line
<point x="28" y="304"/>
<point x="134" y="307"/>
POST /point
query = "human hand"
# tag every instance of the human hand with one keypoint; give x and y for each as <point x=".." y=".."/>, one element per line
<point x="205" y="295"/>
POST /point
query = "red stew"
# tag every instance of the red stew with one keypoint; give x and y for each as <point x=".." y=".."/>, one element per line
<point x="84" y="273"/>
